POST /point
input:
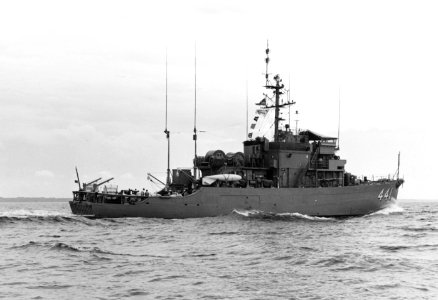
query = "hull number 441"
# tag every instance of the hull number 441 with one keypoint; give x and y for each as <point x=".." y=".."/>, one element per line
<point x="384" y="195"/>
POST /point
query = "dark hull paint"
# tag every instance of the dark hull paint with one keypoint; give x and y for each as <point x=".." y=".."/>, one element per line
<point x="211" y="201"/>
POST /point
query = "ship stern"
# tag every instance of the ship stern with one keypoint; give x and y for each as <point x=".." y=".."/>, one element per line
<point x="81" y="208"/>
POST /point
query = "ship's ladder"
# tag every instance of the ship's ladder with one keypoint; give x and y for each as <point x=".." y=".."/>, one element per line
<point x="313" y="159"/>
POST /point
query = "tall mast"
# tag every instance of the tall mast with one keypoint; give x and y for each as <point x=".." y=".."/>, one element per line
<point x="339" y="117"/>
<point x="278" y="87"/>
<point x="167" y="132"/>
<point x="195" y="135"/>
<point x="277" y="90"/>
<point x="247" y="120"/>
<point x="267" y="62"/>
<point x="296" y="122"/>
<point x="288" y="98"/>
<point x="398" y="165"/>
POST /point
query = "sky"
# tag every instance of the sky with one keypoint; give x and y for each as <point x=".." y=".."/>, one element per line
<point x="83" y="83"/>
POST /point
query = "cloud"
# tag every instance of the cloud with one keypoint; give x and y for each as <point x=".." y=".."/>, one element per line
<point x="44" y="174"/>
<point x="127" y="176"/>
<point x="70" y="99"/>
<point x="105" y="174"/>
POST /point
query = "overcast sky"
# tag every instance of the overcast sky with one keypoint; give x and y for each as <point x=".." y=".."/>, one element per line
<point x="82" y="83"/>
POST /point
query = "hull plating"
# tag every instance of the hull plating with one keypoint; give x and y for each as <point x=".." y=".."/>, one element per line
<point x="211" y="202"/>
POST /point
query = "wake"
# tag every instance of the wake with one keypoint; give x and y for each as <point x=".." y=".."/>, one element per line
<point x="393" y="208"/>
<point x="40" y="216"/>
<point x="257" y="214"/>
<point x="25" y="213"/>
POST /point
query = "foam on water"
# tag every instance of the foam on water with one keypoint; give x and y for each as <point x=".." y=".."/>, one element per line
<point x="393" y="208"/>
<point x="26" y="213"/>
<point x="257" y="214"/>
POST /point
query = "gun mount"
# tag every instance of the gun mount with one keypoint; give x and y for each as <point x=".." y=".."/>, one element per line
<point x="103" y="182"/>
<point x="93" y="187"/>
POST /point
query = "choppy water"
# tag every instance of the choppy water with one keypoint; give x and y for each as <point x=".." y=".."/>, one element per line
<point x="47" y="253"/>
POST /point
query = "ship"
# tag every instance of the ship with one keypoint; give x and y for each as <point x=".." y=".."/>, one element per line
<point x="292" y="171"/>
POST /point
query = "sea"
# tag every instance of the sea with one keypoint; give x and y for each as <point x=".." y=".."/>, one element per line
<point x="48" y="253"/>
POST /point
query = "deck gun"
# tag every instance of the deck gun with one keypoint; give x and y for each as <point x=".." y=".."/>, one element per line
<point x="85" y="185"/>
<point x="96" y="185"/>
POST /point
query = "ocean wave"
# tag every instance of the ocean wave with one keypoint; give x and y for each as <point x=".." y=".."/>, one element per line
<point x="257" y="214"/>
<point x="353" y="262"/>
<point x="331" y="261"/>
<point x="224" y="233"/>
<point x="43" y="216"/>
<point x="199" y="255"/>
<point x="169" y="277"/>
<point x="58" y="246"/>
<point x="395" y="248"/>
<point x="25" y="213"/>
<point x="417" y="228"/>
<point x="65" y="247"/>
<point x="47" y="219"/>
<point x="50" y="286"/>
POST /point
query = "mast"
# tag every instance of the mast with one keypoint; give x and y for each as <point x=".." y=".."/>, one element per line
<point x="195" y="135"/>
<point x="339" y="117"/>
<point x="78" y="181"/>
<point x="277" y="91"/>
<point x="296" y="122"/>
<point x="398" y="165"/>
<point x="247" y="120"/>
<point x="278" y="87"/>
<point x="288" y="99"/>
<point x="267" y="62"/>
<point x="167" y="132"/>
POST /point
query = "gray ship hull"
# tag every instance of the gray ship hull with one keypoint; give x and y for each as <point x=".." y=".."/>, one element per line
<point x="215" y="201"/>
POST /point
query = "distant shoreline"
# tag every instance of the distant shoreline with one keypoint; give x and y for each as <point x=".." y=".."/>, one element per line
<point x="33" y="199"/>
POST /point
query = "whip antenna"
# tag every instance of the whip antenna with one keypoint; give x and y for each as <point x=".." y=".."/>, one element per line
<point x="288" y="100"/>
<point x="339" y="117"/>
<point x="195" y="135"/>
<point x="167" y="132"/>
<point x="398" y="165"/>
<point x="267" y="62"/>
<point x="247" y="120"/>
